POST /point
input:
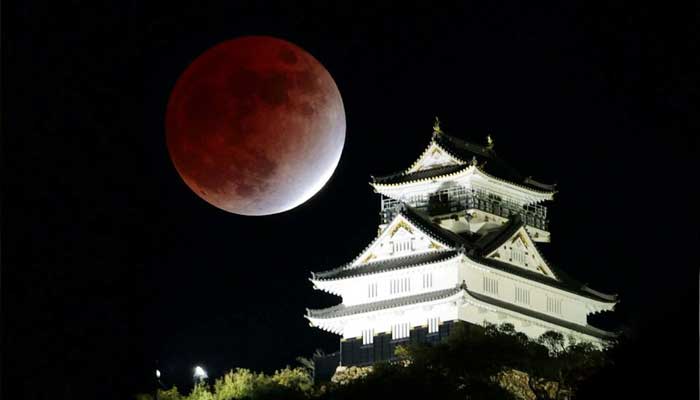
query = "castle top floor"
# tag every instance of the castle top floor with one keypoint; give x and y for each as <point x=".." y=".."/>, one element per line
<point x="452" y="178"/>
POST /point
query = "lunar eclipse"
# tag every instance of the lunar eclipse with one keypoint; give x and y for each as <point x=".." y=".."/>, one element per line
<point x="255" y="125"/>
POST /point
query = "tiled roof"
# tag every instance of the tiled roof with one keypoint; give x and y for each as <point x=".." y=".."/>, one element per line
<point x="486" y="157"/>
<point x="567" y="284"/>
<point x="476" y="249"/>
<point x="423" y="222"/>
<point x="419" y="175"/>
<point x="497" y="237"/>
<point x="387" y="265"/>
<point x="586" y="329"/>
<point x="494" y="239"/>
<point x="342" y="310"/>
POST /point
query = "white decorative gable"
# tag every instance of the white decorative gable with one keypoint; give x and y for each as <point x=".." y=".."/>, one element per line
<point x="434" y="156"/>
<point x="399" y="238"/>
<point x="520" y="251"/>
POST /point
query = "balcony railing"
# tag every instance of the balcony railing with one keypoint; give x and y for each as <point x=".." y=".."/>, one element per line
<point x="460" y="199"/>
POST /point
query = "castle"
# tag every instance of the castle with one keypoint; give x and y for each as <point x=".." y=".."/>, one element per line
<point x="459" y="239"/>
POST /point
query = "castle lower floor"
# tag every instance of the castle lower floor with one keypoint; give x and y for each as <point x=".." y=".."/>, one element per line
<point x="363" y="351"/>
<point x="383" y="347"/>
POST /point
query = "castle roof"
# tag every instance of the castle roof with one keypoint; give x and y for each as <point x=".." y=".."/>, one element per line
<point x="428" y="226"/>
<point x="466" y="152"/>
<point x="586" y="329"/>
<point x="342" y="310"/>
<point x="387" y="265"/>
<point x="473" y="247"/>
<point x="563" y="281"/>
<point x="403" y="176"/>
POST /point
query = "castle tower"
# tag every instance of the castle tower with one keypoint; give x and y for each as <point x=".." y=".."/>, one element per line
<point x="458" y="240"/>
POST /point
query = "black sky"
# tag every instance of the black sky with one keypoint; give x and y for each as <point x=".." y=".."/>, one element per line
<point x="110" y="262"/>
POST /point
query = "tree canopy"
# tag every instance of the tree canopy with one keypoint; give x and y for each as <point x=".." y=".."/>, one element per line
<point x="476" y="362"/>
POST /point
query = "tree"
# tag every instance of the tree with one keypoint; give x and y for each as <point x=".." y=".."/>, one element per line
<point x="200" y="392"/>
<point x="473" y="364"/>
<point x="295" y="379"/>
<point x="170" y="394"/>
<point x="240" y="383"/>
<point x="566" y="362"/>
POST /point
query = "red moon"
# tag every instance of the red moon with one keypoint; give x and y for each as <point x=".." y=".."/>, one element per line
<point x="255" y="126"/>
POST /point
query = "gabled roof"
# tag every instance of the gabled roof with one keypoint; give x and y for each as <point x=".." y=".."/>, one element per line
<point x="586" y="329"/>
<point x="514" y="230"/>
<point x="401" y="177"/>
<point x="387" y="265"/>
<point x="443" y="237"/>
<point x="484" y="156"/>
<point x="475" y="249"/>
<point x="434" y="156"/>
<point x="492" y="240"/>
<point x="497" y="237"/>
<point x="568" y="284"/>
<point x="428" y="226"/>
<point x="342" y="310"/>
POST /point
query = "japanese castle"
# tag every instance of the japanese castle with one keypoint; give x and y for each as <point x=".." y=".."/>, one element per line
<point x="459" y="239"/>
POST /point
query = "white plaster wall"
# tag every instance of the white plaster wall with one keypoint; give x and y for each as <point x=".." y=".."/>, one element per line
<point x="415" y="315"/>
<point x="573" y="308"/>
<point x="354" y="291"/>
<point x="533" y="328"/>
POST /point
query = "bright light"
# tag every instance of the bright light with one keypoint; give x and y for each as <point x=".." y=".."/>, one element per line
<point x="157" y="374"/>
<point x="200" y="373"/>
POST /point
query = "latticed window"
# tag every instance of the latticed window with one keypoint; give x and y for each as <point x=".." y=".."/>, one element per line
<point x="399" y="246"/>
<point x="368" y="336"/>
<point x="553" y="305"/>
<point x="427" y="280"/>
<point x="522" y="295"/>
<point x="433" y="325"/>
<point x="372" y="290"/>
<point x="518" y="256"/>
<point x="400" y="285"/>
<point x="490" y="285"/>
<point x="400" y="331"/>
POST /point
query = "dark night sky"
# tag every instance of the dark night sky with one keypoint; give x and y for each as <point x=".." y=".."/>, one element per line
<point x="110" y="262"/>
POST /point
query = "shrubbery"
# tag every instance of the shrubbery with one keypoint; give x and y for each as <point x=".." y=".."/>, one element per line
<point x="490" y="362"/>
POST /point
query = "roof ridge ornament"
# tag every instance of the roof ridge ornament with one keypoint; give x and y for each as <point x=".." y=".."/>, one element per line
<point x="474" y="161"/>
<point x="436" y="126"/>
<point x="489" y="142"/>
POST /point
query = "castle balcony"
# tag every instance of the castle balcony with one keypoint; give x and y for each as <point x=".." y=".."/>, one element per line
<point x="455" y="200"/>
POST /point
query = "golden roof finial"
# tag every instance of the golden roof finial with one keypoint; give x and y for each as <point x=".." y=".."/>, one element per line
<point x="436" y="125"/>
<point x="489" y="141"/>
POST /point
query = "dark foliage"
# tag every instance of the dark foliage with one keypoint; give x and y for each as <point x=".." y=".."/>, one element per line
<point x="466" y="365"/>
